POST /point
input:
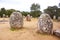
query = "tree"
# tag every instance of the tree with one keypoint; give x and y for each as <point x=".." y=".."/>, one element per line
<point x="7" y="12"/>
<point x="25" y="13"/>
<point x="49" y="11"/>
<point x="3" y="11"/>
<point x="35" y="10"/>
<point x="35" y="7"/>
<point x="53" y="10"/>
<point x="10" y="11"/>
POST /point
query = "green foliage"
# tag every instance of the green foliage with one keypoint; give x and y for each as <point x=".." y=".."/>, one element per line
<point x="35" y="7"/>
<point x="6" y="12"/>
<point x="12" y="29"/>
<point x="25" y="13"/>
<point x="2" y="11"/>
<point x="53" y="10"/>
<point x="35" y="13"/>
<point x="35" y="10"/>
<point x="10" y="11"/>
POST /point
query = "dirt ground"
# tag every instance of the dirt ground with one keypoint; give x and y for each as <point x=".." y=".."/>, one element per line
<point x="28" y="32"/>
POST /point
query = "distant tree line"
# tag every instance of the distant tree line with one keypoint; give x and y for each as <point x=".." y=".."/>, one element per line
<point x="35" y="11"/>
<point x="6" y="12"/>
<point x="53" y="11"/>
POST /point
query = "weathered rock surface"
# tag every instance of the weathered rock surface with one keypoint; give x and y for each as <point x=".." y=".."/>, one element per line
<point x="28" y="17"/>
<point x="16" y="20"/>
<point x="45" y="24"/>
<point x="56" y="32"/>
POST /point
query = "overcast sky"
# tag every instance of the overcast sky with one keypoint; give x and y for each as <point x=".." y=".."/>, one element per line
<point x="24" y="5"/>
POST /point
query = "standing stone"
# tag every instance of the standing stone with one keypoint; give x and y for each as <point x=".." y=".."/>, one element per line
<point x="45" y="24"/>
<point x="28" y="17"/>
<point x="54" y="17"/>
<point x="16" y="20"/>
<point x="3" y="15"/>
<point x="58" y="18"/>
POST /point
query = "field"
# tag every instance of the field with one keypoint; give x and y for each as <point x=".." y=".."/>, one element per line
<point x="28" y="32"/>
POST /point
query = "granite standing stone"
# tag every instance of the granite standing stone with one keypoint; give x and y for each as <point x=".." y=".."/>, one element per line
<point x="45" y="24"/>
<point x="3" y="15"/>
<point x="16" y="20"/>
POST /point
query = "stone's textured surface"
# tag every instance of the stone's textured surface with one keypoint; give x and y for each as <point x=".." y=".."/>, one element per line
<point x="16" y="20"/>
<point x="56" y="32"/>
<point x="28" y="17"/>
<point x="45" y="24"/>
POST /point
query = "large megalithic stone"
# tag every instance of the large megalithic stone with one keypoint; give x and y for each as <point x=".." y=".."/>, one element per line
<point x="45" y="24"/>
<point x="28" y="17"/>
<point x="16" y="20"/>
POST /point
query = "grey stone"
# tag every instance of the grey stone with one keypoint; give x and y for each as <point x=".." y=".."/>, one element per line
<point x="57" y="32"/>
<point x="45" y="24"/>
<point x="28" y="17"/>
<point x="16" y="20"/>
<point x="54" y="17"/>
<point x="4" y="15"/>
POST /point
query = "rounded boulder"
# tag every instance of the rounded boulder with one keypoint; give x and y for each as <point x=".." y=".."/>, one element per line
<point x="16" y="20"/>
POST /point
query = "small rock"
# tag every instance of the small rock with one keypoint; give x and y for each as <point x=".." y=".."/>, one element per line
<point x="56" y="32"/>
<point x="45" y="24"/>
<point x="28" y="17"/>
<point x="54" y="17"/>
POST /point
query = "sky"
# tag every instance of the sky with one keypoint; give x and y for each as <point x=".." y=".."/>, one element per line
<point x="24" y="5"/>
